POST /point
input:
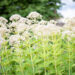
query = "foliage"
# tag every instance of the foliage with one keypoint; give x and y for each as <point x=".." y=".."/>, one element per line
<point x="47" y="8"/>
<point x="50" y="55"/>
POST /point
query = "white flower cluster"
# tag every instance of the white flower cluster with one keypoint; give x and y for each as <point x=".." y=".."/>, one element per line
<point x="3" y="20"/>
<point x="53" y="21"/>
<point x="69" y="23"/>
<point x="46" y="30"/>
<point x="69" y="27"/>
<point x="14" y="39"/>
<point x="3" y="31"/>
<point x="20" y="28"/>
<point x="15" y="17"/>
<point x="1" y="40"/>
<point x="43" y="22"/>
<point x="3" y="27"/>
<point x="34" y="15"/>
<point x="23" y="20"/>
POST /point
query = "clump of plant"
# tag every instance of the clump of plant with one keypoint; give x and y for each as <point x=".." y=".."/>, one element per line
<point x="50" y="55"/>
<point x="33" y="46"/>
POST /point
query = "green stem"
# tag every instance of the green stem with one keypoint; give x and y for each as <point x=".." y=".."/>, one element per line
<point x="55" y="57"/>
<point x="69" y="58"/>
<point x="21" y="69"/>
<point x="44" y="61"/>
<point x="32" y="61"/>
<point x="55" y="64"/>
<point x="44" y="58"/>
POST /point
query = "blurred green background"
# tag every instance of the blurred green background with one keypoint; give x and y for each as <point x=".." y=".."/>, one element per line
<point x="47" y="8"/>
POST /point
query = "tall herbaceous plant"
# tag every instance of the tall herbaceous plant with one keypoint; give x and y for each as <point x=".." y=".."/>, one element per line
<point x="33" y="46"/>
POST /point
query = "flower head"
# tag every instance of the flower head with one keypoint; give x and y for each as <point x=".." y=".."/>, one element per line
<point x="14" y="39"/>
<point x="15" y="17"/>
<point x="3" y="20"/>
<point x="34" y="15"/>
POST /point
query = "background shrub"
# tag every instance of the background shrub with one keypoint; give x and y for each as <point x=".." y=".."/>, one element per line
<point x="48" y="8"/>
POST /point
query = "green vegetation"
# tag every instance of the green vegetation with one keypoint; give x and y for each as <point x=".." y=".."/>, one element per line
<point x="50" y="55"/>
<point x="48" y="8"/>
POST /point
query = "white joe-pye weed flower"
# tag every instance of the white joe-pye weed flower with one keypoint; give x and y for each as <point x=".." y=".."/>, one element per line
<point x="14" y="39"/>
<point x="73" y="29"/>
<point x="31" y="22"/>
<point x="43" y="22"/>
<point x="45" y="30"/>
<point x="67" y="26"/>
<point x="70" y="34"/>
<point x="26" y="35"/>
<point x="3" y="31"/>
<point x="23" y="20"/>
<point x="13" y="25"/>
<point x="3" y="20"/>
<point x="53" y="28"/>
<point x="18" y="27"/>
<point x="52" y="22"/>
<point x="15" y="17"/>
<point x="2" y="25"/>
<point x="1" y="40"/>
<point x="67" y="32"/>
<point x="34" y="15"/>
<point x="28" y="22"/>
<point x="70" y="21"/>
<point x="21" y="28"/>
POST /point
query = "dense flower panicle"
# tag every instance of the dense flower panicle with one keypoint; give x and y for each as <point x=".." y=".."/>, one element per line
<point x="34" y="22"/>
<point x="52" y="22"/>
<point x="34" y="15"/>
<point x="70" y="21"/>
<point x="26" y="35"/>
<point x="43" y="22"/>
<point x="3" y="20"/>
<point x="68" y="33"/>
<point x="73" y="29"/>
<point x="69" y="27"/>
<point x="73" y="21"/>
<point x="2" y="25"/>
<point x="15" y="17"/>
<point x="14" y="39"/>
<point x="23" y="20"/>
<point x="18" y="27"/>
<point x="13" y="25"/>
<point x="1" y="40"/>
<point x="21" y="28"/>
<point x="28" y="22"/>
<point x="45" y="30"/>
<point x="3" y="31"/>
